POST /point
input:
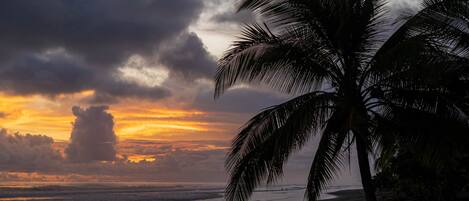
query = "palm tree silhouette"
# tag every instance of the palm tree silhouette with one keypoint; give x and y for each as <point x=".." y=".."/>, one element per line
<point x="354" y="80"/>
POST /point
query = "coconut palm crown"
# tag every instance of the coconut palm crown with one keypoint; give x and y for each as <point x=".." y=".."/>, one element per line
<point x="355" y="79"/>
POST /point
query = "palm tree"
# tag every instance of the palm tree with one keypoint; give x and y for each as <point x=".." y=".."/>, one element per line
<point x="352" y="78"/>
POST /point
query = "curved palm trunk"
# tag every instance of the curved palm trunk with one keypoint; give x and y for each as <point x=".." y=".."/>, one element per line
<point x="365" y="172"/>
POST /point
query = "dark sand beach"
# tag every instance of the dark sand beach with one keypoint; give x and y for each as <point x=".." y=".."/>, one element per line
<point x="347" y="195"/>
<point x="354" y="195"/>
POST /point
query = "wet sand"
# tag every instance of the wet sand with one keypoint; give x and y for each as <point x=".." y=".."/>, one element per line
<point x="347" y="195"/>
<point x="355" y="195"/>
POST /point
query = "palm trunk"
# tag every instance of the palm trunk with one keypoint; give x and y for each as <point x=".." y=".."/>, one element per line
<point x="364" y="165"/>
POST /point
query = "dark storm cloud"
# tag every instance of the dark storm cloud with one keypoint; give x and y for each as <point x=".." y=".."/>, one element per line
<point x="187" y="57"/>
<point x="44" y="74"/>
<point x="93" y="137"/>
<point x="102" y="31"/>
<point x="66" y="46"/>
<point x="56" y="73"/>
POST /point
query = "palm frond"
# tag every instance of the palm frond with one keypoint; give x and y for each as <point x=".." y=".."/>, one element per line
<point x="264" y="144"/>
<point x="284" y="62"/>
<point x="446" y="20"/>
<point x="327" y="159"/>
<point x="374" y="22"/>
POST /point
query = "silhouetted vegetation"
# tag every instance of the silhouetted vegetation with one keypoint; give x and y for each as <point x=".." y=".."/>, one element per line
<point x="407" y="177"/>
<point x="399" y="94"/>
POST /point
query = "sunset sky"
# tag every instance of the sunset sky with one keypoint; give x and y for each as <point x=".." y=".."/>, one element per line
<point x="150" y="63"/>
<point x="131" y="81"/>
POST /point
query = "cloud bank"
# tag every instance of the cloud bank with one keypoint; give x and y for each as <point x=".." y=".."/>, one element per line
<point x="27" y="153"/>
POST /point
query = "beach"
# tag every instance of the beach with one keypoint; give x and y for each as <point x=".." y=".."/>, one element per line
<point x="347" y="195"/>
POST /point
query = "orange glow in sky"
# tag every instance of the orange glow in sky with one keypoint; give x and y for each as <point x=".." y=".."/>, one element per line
<point x="133" y="119"/>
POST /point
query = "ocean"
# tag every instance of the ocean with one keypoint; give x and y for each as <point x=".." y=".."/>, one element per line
<point x="144" y="191"/>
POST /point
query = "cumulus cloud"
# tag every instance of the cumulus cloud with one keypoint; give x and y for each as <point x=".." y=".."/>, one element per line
<point x="27" y="152"/>
<point x="93" y="137"/>
<point x="175" y="161"/>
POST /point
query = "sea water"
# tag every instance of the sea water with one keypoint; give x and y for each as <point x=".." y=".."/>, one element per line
<point x="144" y="191"/>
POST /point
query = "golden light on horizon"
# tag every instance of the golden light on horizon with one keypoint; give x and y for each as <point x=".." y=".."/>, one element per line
<point x="136" y="158"/>
<point x="34" y="114"/>
<point x="52" y="116"/>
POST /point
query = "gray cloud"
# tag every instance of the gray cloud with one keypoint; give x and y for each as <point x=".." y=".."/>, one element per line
<point x="187" y="165"/>
<point x="186" y="56"/>
<point x="93" y="137"/>
<point x="154" y="150"/>
<point x="234" y="17"/>
<point x="66" y="46"/>
<point x="101" y="31"/>
<point x="175" y="161"/>
<point x="51" y="74"/>
<point x="27" y="153"/>
<point x="57" y="73"/>
<point x="242" y="100"/>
